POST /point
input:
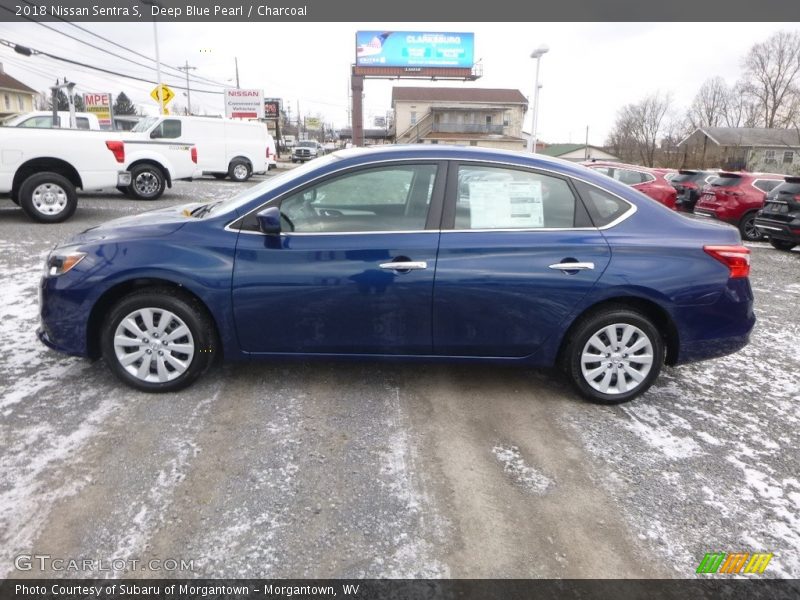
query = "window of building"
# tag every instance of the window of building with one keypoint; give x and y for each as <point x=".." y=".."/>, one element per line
<point x="769" y="157"/>
<point x="506" y="118"/>
<point x="20" y="102"/>
<point x="488" y="119"/>
<point x="8" y="101"/>
<point x="413" y="117"/>
<point x="788" y="157"/>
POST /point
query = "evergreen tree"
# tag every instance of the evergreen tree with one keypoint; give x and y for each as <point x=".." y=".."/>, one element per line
<point x="79" y="105"/>
<point x="123" y="105"/>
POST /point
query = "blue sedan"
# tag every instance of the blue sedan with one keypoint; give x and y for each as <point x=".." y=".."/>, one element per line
<point x="416" y="252"/>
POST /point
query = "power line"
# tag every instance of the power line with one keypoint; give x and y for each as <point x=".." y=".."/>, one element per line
<point x="104" y="50"/>
<point x="81" y="64"/>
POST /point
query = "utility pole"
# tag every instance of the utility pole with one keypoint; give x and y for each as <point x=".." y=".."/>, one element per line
<point x="236" y="63"/>
<point x="187" y="68"/>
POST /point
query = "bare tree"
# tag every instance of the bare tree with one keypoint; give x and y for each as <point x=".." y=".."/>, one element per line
<point x="638" y="128"/>
<point x="740" y="108"/>
<point x="710" y="104"/>
<point x="772" y="78"/>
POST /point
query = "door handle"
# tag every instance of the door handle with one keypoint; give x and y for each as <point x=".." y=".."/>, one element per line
<point x="404" y="265"/>
<point x="573" y="266"/>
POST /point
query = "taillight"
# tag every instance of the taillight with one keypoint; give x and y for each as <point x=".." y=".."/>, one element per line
<point x="118" y="150"/>
<point x="736" y="258"/>
<point x="267" y="152"/>
<point x="194" y="154"/>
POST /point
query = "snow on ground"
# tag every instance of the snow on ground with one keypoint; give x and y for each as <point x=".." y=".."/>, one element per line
<point x="708" y="459"/>
<point x="522" y="474"/>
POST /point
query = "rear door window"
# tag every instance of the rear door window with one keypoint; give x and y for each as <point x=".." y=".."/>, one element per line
<point x="604" y="208"/>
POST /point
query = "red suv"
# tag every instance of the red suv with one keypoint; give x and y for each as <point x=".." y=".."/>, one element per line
<point x="736" y="198"/>
<point x="647" y="181"/>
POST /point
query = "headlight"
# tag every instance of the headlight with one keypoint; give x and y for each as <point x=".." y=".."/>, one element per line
<point x="59" y="263"/>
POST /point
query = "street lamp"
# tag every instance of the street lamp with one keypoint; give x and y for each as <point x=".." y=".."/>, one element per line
<point x="537" y="54"/>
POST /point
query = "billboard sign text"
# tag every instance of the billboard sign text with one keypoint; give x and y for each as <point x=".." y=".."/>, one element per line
<point x="244" y="104"/>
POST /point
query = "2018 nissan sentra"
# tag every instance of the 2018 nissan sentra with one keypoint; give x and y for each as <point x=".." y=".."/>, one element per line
<point x="415" y="252"/>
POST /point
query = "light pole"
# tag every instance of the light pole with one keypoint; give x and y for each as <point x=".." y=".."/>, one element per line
<point x="158" y="59"/>
<point x="537" y="54"/>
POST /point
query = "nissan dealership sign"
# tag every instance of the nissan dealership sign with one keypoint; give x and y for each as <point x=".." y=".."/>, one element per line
<point x="244" y="104"/>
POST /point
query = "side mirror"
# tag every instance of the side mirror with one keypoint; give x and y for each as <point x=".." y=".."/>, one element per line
<point x="156" y="133"/>
<point x="269" y="220"/>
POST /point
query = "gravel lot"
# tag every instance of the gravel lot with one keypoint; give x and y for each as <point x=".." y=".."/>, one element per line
<point x="325" y="469"/>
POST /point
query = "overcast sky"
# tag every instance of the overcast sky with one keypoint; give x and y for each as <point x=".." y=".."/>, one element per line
<point x="592" y="69"/>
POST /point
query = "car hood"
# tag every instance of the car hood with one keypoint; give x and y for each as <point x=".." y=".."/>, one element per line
<point x="153" y="224"/>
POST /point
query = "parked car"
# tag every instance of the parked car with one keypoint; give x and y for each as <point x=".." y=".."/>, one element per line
<point x="225" y="147"/>
<point x="306" y="150"/>
<point x="779" y="220"/>
<point x="647" y="181"/>
<point x="735" y="198"/>
<point x="688" y="184"/>
<point x="383" y="253"/>
<point x="44" y="120"/>
<point x="42" y="169"/>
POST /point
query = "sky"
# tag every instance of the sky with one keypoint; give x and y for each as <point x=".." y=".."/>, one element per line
<point x="590" y="72"/>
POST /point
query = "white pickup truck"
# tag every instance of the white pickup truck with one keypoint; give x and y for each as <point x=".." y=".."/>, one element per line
<point x="42" y="168"/>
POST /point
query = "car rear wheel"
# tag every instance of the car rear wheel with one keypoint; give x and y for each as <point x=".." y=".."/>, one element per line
<point x="781" y="244"/>
<point x="48" y="197"/>
<point x="614" y="355"/>
<point x="158" y="340"/>
<point x="747" y="227"/>
<point x="239" y="170"/>
<point x="147" y="182"/>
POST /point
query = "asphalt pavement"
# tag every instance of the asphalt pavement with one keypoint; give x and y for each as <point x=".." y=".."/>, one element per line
<point x="330" y="469"/>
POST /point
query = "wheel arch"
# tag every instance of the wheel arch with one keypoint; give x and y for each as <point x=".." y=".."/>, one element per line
<point x="115" y="293"/>
<point x="41" y="164"/>
<point x="660" y="317"/>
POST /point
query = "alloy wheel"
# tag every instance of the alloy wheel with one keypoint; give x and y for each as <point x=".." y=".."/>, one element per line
<point x="617" y="358"/>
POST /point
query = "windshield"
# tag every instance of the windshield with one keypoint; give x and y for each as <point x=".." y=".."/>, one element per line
<point x="144" y="124"/>
<point x="307" y="144"/>
<point x="234" y="203"/>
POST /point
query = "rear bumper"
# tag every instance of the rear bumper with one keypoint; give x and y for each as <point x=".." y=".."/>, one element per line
<point x="779" y="230"/>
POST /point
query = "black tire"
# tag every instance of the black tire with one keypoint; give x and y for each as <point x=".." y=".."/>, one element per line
<point x="147" y="182"/>
<point x="605" y="368"/>
<point x="781" y="244"/>
<point x="294" y="160"/>
<point x="219" y="175"/>
<point x="48" y="197"/>
<point x="747" y="228"/>
<point x="180" y="310"/>
<point x="239" y="170"/>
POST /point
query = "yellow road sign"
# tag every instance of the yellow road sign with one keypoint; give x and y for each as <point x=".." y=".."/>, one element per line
<point x="166" y="94"/>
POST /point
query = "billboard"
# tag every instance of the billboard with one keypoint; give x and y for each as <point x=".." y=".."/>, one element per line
<point x="414" y="49"/>
<point x="272" y="108"/>
<point x="100" y="106"/>
<point x="244" y="104"/>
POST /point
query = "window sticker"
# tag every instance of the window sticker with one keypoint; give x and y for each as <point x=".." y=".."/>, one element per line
<point x="506" y="204"/>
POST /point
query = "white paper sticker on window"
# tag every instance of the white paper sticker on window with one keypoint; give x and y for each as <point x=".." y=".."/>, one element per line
<point x="506" y="204"/>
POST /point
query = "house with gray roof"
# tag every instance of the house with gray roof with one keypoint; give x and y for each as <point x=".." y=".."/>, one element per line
<point x="743" y="148"/>
<point x="577" y="152"/>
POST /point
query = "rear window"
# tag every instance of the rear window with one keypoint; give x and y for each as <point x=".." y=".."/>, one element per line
<point x="726" y="181"/>
<point x="790" y="188"/>
<point x="689" y="176"/>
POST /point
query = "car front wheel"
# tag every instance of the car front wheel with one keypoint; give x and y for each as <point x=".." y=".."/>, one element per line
<point x="614" y="355"/>
<point x="158" y="340"/>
